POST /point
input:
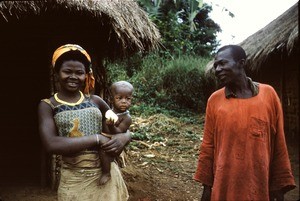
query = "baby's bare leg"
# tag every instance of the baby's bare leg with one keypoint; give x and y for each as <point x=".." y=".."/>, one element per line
<point x="105" y="160"/>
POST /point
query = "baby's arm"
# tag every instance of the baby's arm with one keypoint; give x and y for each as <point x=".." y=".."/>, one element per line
<point x="125" y="122"/>
<point x="120" y="136"/>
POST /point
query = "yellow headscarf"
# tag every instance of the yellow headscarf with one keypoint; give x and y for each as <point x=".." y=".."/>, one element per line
<point x="90" y="80"/>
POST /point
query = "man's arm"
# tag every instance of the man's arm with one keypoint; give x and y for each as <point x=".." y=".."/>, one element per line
<point x="206" y="194"/>
<point x="204" y="172"/>
<point x="281" y="178"/>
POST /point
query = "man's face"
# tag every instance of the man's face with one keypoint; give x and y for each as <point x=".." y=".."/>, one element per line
<point x="226" y="68"/>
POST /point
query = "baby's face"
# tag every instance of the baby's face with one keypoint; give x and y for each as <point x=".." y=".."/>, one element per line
<point x="122" y="97"/>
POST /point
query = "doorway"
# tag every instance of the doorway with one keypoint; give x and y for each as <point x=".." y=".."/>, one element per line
<point x="24" y="82"/>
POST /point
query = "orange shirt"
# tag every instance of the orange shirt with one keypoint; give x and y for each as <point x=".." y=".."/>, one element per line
<point x="243" y="155"/>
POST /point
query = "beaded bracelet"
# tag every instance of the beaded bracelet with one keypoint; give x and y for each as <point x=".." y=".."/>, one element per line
<point x="97" y="139"/>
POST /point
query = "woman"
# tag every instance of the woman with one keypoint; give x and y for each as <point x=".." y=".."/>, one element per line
<point x="70" y="123"/>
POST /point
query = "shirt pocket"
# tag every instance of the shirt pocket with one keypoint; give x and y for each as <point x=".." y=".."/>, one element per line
<point x="258" y="129"/>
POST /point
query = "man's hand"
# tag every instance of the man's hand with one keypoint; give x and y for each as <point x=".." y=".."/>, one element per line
<point x="206" y="195"/>
<point x="276" y="196"/>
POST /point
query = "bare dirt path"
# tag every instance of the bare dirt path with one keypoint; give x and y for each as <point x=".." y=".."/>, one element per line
<point x="159" y="168"/>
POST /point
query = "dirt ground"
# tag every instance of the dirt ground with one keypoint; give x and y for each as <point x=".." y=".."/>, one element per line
<point x="155" y="171"/>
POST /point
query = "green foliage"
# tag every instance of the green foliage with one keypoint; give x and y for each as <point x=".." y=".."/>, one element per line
<point x="141" y="135"/>
<point x="168" y="84"/>
<point x="147" y="81"/>
<point x="116" y="71"/>
<point x="143" y="109"/>
<point x="185" y="82"/>
<point x="185" y="26"/>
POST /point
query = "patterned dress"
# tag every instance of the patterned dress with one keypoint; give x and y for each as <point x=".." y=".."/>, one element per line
<point x="80" y="172"/>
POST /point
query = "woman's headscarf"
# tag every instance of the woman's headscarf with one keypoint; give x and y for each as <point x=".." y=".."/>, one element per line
<point x="89" y="80"/>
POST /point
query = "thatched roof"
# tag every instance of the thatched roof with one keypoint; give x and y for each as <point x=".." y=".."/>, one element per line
<point x="279" y="36"/>
<point x="120" y="26"/>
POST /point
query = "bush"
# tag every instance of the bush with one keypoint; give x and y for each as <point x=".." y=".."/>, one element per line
<point x="148" y="81"/>
<point x="172" y="84"/>
<point x="185" y="82"/>
<point x="115" y="72"/>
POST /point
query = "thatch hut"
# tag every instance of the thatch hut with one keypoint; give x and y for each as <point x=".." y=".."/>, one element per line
<point x="30" y="32"/>
<point x="272" y="57"/>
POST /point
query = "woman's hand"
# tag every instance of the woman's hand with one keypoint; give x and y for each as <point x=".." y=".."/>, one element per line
<point x="117" y="143"/>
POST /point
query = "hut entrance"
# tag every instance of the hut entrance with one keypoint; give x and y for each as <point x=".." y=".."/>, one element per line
<point x="26" y="49"/>
<point x="24" y="82"/>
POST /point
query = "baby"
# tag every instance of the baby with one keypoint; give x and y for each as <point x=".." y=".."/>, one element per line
<point x="121" y="96"/>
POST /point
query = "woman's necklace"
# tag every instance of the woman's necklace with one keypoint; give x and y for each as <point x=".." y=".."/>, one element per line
<point x="67" y="103"/>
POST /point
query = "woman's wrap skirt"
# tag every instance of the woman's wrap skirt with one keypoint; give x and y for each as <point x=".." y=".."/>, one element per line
<point x="80" y="176"/>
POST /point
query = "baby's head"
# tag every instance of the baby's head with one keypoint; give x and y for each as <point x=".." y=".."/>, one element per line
<point x="121" y="96"/>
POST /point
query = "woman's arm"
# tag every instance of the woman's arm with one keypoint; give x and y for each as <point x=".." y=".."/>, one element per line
<point x="105" y="110"/>
<point x="56" y="144"/>
<point x="117" y="143"/>
<point x="102" y="105"/>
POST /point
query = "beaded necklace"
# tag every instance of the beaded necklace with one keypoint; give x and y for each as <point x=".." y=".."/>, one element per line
<point x="67" y="103"/>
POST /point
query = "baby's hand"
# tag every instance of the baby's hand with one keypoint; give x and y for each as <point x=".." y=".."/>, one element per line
<point x="109" y="122"/>
<point x="111" y="117"/>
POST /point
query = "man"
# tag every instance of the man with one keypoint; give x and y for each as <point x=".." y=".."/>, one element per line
<point x="243" y="155"/>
